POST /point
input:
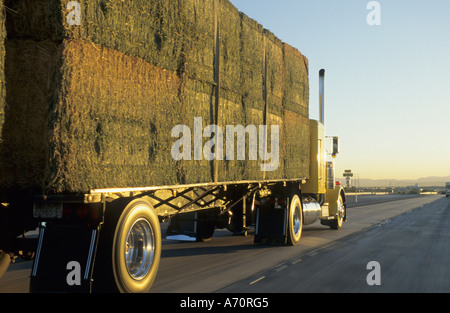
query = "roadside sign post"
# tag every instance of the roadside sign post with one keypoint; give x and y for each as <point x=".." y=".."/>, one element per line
<point x="347" y="174"/>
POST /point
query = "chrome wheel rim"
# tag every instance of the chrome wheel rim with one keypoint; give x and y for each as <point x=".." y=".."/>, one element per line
<point x="297" y="220"/>
<point x="341" y="209"/>
<point x="139" y="249"/>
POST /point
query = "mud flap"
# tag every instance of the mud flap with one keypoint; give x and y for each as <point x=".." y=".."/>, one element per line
<point x="271" y="225"/>
<point x="64" y="259"/>
<point x="194" y="226"/>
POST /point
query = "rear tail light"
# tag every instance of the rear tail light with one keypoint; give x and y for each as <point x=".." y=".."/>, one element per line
<point x="276" y="202"/>
<point x="81" y="211"/>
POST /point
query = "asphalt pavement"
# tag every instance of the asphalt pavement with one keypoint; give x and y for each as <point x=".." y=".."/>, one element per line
<point x="407" y="237"/>
<point x="405" y="254"/>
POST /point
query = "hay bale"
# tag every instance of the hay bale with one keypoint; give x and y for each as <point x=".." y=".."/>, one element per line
<point x="231" y="113"/>
<point x="197" y="101"/>
<point x="29" y="71"/>
<point x="296" y="94"/>
<point x="252" y="64"/>
<point x="198" y="46"/>
<point x="91" y="118"/>
<point x="229" y="46"/>
<point x="296" y="136"/>
<point x="275" y="73"/>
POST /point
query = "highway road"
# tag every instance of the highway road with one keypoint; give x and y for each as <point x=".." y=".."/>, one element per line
<point x="407" y="237"/>
<point x="411" y="252"/>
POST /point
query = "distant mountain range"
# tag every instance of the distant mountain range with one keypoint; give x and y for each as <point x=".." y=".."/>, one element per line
<point x="421" y="182"/>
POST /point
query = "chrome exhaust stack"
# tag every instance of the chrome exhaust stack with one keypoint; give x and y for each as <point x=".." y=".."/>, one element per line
<point x="322" y="96"/>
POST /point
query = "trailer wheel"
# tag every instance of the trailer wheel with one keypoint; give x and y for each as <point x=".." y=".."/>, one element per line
<point x="337" y="223"/>
<point x="295" y="221"/>
<point x="136" y="248"/>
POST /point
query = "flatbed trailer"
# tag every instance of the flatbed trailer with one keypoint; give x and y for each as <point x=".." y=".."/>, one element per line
<point x="109" y="240"/>
<point x="122" y="237"/>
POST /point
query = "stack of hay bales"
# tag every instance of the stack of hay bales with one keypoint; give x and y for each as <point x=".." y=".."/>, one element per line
<point x="296" y="116"/>
<point x="93" y="105"/>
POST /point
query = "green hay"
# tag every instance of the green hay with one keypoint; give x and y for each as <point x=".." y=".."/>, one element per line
<point x="252" y="64"/>
<point x="93" y="118"/>
<point x="93" y="106"/>
<point x="29" y="83"/>
<point x="152" y="30"/>
<point x="296" y="156"/>
<point x="296" y="94"/>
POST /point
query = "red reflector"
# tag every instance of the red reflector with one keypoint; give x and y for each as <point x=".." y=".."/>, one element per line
<point x="67" y="211"/>
<point x="94" y="214"/>
<point x="82" y="211"/>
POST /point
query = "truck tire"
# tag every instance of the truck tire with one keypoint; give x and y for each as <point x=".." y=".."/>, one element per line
<point x="136" y="248"/>
<point x="337" y="223"/>
<point x="295" y="221"/>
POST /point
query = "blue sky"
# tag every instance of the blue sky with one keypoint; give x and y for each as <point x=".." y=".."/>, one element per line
<point x="387" y="86"/>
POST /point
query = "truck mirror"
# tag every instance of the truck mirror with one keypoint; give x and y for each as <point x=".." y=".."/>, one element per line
<point x="335" y="147"/>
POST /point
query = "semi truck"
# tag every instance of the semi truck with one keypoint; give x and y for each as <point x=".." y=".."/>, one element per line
<point x="114" y="234"/>
<point x="447" y="189"/>
<point x="87" y="162"/>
